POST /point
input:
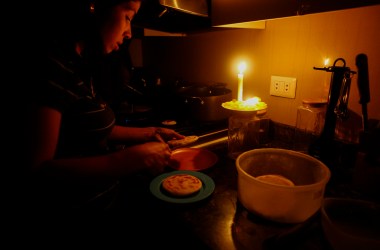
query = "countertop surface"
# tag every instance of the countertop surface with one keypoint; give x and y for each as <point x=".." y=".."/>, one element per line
<point x="144" y="222"/>
<point x="218" y="222"/>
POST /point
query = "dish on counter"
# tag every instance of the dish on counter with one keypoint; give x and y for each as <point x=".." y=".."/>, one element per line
<point x="351" y="224"/>
<point x="206" y="190"/>
<point x="194" y="159"/>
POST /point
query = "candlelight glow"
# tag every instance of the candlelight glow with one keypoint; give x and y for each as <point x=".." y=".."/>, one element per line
<point x="242" y="66"/>
<point x="326" y="62"/>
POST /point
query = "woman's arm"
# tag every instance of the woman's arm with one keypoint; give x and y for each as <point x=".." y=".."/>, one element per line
<point x="43" y="134"/>
<point x="132" y="134"/>
<point x="43" y="139"/>
<point x="151" y="156"/>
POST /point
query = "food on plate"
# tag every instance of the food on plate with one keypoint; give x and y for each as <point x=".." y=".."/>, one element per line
<point x="275" y="179"/>
<point x="169" y="122"/>
<point x="181" y="184"/>
<point x="182" y="142"/>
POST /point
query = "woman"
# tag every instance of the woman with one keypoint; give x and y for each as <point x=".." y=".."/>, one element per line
<point x="70" y="152"/>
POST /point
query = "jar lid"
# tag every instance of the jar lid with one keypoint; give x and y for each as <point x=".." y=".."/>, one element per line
<point x="262" y="112"/>
<point x="316" y="102"/>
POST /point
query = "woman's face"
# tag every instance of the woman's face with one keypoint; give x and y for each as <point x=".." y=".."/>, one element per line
<point x="117" y="25"/>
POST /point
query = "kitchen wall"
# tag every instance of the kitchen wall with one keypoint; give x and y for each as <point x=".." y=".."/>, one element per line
<point x="286" y="47"/>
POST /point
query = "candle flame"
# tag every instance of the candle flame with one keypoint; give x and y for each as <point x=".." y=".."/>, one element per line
<point x="242" y="66"/>
<point x="326" y="62"/>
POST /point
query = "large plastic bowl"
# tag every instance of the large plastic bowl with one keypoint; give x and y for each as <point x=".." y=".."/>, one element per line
<point x="281" y="203"/>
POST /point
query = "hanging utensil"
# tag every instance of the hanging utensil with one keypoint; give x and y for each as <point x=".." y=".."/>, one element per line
<point x="341" y="109"/>
<point x="363" y="85"/>
<point x="322" y="148"/>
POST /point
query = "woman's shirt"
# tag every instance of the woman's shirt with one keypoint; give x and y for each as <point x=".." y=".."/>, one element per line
<point x="86" y="123"/>
<point x="86" y="120"/>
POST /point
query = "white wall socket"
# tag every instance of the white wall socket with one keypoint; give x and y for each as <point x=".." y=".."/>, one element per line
<point x="283" y="86"/>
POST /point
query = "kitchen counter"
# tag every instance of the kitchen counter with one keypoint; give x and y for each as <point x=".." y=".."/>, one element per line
<point x="218" y="222"/>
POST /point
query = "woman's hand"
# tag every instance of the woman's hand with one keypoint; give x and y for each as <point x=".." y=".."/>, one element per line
<point x="155" y="156"/>
<point x="163" y="134"/>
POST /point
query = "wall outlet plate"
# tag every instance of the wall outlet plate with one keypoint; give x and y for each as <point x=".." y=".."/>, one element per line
<point x="283" y="86"/>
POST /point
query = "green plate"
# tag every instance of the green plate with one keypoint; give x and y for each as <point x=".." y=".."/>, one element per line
<point x="207" y="189"/>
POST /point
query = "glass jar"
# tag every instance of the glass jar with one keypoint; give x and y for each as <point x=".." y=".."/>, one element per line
<point x="264" y="133"/>
<point x="243" y="132"/>
<point x="309" y="123"/>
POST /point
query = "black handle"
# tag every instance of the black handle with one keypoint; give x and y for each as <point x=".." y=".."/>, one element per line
<point x="363" y="81"/>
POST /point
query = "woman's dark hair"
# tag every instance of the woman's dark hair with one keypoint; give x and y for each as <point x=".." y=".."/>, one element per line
<point x="73" y="19"/>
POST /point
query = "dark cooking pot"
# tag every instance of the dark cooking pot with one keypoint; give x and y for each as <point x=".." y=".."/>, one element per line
<point x="204" y="102"/>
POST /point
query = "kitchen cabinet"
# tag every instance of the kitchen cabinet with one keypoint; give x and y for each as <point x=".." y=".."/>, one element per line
<point x="224" y="12"/>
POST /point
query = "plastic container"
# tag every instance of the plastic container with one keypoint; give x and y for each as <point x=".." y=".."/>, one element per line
<point x="309" y="124"/>
<point x="281" y="203"/>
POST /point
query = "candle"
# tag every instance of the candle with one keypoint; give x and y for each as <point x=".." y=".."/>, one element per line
<point x="326" y="83"/>
<point x="240" y="87"/>
<point x="242" y="67"/>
